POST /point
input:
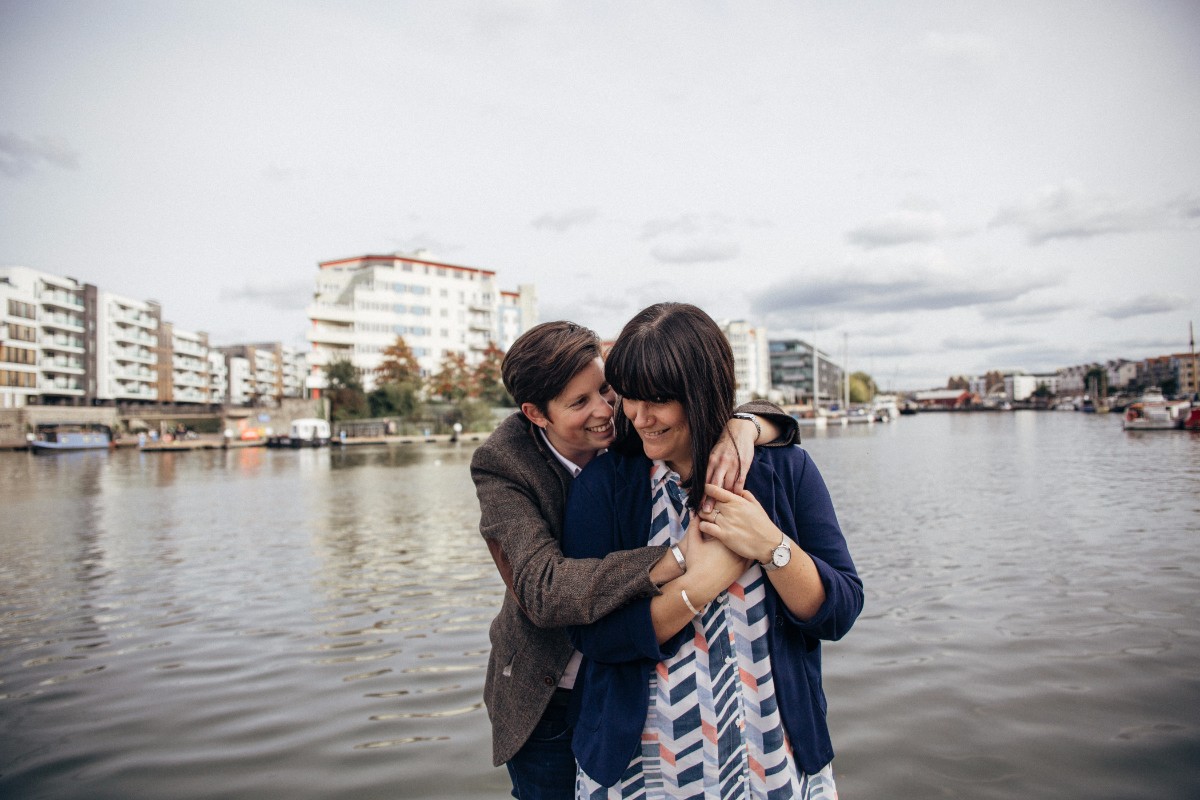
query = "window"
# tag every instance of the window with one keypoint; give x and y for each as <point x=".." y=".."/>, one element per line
<point x="18" y="309"/>
<point x="17" y="355"/>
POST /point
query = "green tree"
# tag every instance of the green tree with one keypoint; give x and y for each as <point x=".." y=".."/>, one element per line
<point x="452" y="381"/>
<point x="862" y="387"/>
<point x="395" y="400"/>
<point x="487" y="381"/>
<point x="345" y="390"/>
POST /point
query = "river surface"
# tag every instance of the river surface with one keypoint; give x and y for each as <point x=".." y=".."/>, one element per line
<point x="313" y="624"/>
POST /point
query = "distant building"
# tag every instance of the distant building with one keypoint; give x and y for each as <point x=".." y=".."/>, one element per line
<point x="1019" y="386"/>
<point x="123" y="352"/>
<point x="944" y="398"/>
<point x="751" y="359"/>
<point x="263" y="373"/>
<point x="183" y="366"/>
<point x="518" y="313"/>
<point x="792" y="372"/>
<point x="363" y="303"/>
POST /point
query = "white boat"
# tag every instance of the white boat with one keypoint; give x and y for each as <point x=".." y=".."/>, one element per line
<point x="1152" y="412"/>
<point x="303" y="433"/>
<point x="886" y="408"/>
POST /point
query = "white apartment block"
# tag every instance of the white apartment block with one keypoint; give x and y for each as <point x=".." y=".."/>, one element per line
<point x="126" y="351"/>
<point x="1020" y="386"/>
<point x="241" y="380"/>
<point x="518" y="313"/>
<point x="263" y="373"/>
<point x="751" y="359"/>
<point x="218" y="378"/>
<point x="185" y="379"/>
<point x="42" y="329"/>
<point x="363" y="303"/>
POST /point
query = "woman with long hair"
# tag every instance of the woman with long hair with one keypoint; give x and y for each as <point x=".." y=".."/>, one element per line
<point x="522" y="474"/>
<point x="713" y="687"/>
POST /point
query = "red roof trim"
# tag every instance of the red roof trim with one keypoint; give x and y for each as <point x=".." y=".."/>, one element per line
<point x="364" y="260"/>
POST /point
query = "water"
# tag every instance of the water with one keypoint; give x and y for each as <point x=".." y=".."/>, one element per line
<point x="313" y="624"/>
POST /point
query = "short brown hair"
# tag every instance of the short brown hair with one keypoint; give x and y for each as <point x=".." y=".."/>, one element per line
<point x="544" y="359"/>
<point x="675" y="351"/>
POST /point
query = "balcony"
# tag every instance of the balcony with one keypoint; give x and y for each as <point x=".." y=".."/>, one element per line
<point x="61" y="365"/>
<point x="61" y="386"/>
<point x="334" y="312"/>
<point x="64" y="300"/>
<point x="61" y="322"/>
<point x="66" y="344"/>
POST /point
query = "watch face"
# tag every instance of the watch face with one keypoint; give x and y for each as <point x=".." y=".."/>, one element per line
<point x="781" y="556"/>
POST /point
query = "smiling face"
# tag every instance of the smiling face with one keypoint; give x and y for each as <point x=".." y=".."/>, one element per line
<point x="579" y="421"/>
<point x="663" y="429"/>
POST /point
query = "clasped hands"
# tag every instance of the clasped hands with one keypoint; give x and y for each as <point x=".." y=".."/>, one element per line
<point x="722" y="543"/>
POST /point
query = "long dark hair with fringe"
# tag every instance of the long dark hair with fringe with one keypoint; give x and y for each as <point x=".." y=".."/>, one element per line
<point x="674" y="351"/>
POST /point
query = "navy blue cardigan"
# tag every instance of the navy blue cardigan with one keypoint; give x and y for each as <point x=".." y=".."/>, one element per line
<point x="609" y="509"/>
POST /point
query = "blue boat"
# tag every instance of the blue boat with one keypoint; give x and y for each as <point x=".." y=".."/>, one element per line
<point x="57" y="438"/>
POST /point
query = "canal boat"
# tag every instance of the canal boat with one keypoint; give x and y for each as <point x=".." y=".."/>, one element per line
<point x="303" y="433"/>
<point x="60" y="438"/>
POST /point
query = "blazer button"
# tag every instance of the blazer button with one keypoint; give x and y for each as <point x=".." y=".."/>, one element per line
<point x="548" y="680"/>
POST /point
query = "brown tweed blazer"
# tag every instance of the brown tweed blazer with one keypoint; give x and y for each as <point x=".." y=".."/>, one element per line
<point x="522" y="490"/>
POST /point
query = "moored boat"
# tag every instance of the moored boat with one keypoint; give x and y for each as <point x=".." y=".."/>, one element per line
<point x="1152" y="412"/>
<point x="303" y="433"/>
<point x="60" y="438"/>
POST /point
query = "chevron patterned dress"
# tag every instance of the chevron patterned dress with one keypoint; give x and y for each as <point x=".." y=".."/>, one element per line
<point x="713" y="728"/>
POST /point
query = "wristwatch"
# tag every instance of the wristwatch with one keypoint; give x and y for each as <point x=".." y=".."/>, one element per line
<point x="753" y="421"/>
<point x="780" y="556"/>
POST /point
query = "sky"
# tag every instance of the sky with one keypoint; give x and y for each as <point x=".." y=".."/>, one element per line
<point x="924" y="189"/>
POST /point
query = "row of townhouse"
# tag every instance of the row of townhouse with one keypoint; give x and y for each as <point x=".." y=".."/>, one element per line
<point x="1175" y="374"/>
<point x="63" y="342"/>
<point x="361" y="304"/>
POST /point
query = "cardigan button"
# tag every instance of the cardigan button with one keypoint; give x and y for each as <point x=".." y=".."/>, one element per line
<point x="549" y="680"/>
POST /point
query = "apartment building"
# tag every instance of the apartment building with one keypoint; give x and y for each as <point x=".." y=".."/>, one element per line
<point x="122" y="357"/>
<point x="518" y="313"/>
<point x="42" y="338"/>
<point x="751" y="359"/>
<point x="363" y="303"/>
<point x="263" y="373"/>
<point x="793" y="364"/>
<point x="218" y="378"/>
<point x="183" y="366"/>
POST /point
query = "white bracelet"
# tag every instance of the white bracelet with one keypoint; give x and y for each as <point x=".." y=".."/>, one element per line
<point x="695" y="611"/>
<point x="675" y="551"/>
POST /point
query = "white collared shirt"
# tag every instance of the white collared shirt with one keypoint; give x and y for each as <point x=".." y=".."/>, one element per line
<point x="572" y="671"/>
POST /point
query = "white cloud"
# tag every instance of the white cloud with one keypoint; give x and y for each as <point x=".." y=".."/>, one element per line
<point x="560" y="223"/>
<point x="900" y="227"/>
<point x="696" y="252"/>
<point x="1145" y="304"/>
<point x="1070" y="211"/>
<point x="19" y="155"/>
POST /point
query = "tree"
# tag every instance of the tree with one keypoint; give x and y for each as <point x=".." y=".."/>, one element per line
<point x="452" y="380"/>
<point x="487" y="381"/>
<point x="862" y="387"/>
<point x="398" y="390"/>
<point x="395" y="400"/>
<point x="345" y="390"/>
<point x="399" y="365"/>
